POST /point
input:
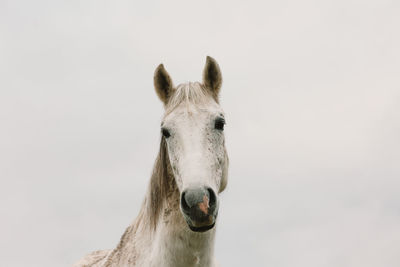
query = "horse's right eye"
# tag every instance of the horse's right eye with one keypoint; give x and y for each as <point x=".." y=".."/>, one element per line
<point x="165" y="133"/>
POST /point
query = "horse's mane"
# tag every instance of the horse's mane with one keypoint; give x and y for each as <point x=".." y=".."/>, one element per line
<point x="162" y="184"/>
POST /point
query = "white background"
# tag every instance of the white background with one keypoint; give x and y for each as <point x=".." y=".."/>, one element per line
<point x="312" y="96"/>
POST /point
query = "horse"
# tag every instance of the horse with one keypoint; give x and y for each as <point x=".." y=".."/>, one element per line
<point x="176" y="223"/>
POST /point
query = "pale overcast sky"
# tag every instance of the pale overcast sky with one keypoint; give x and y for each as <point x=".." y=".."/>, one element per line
<point x="312" y="97"/>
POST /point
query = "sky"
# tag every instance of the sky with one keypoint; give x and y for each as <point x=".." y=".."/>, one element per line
<point x="312" y="100"/>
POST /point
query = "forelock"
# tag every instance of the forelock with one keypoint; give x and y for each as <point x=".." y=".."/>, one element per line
<point x="191" y="93"/>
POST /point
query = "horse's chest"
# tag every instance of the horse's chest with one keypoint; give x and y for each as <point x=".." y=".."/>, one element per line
<point x="181" y="253"/>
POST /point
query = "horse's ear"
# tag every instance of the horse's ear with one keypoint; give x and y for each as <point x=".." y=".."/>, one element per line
<point x="212" y="77"/>
<point x="163" y="84"/>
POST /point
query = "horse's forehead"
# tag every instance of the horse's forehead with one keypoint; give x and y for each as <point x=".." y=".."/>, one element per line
<point x="192" y="112"/>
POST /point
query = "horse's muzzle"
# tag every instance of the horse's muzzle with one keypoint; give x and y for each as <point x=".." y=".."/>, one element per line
<point x="200" y="208"/>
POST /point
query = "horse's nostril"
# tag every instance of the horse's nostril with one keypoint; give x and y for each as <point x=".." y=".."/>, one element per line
<point x="184" y="204"/>
<point x="212" y="197"/>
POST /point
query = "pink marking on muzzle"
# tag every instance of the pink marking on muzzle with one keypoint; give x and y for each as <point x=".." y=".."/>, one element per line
<point x="203" y="206"/>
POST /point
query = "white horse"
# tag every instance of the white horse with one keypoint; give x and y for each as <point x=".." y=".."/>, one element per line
<point x="176" y="224"/>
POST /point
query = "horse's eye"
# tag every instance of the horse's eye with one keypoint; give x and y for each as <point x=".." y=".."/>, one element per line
<point x="219" y="124"/>
<point x="165" y="133"/>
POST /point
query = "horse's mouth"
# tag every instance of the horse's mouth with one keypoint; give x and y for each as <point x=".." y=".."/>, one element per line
<point x="201" y="229"/>
<point x="202" y="225"/>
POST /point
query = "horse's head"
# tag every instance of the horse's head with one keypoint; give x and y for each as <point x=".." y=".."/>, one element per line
<point x="193" y="129"/>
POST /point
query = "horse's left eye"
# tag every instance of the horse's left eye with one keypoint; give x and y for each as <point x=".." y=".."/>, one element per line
<point x="219" y="124"/>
